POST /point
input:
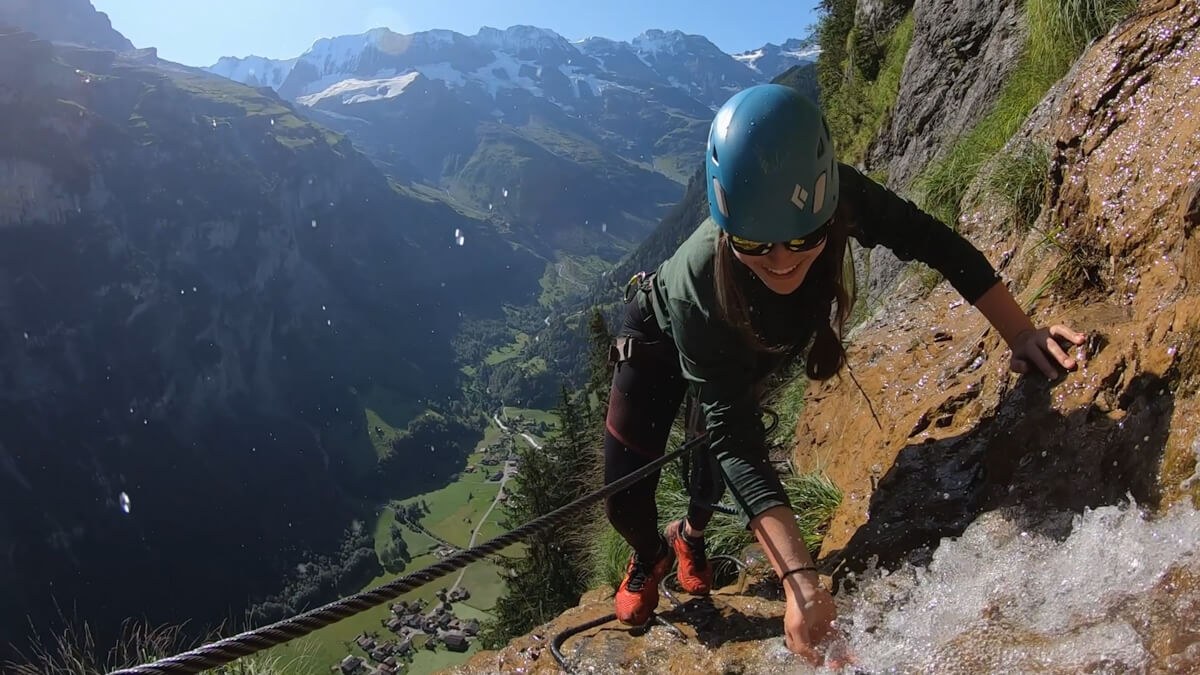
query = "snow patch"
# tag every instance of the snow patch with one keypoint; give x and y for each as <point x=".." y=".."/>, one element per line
<point x="442" y="71"/>
<point x="353" y="90"/>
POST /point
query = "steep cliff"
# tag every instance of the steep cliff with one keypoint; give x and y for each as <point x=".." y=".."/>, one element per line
<point x="198" y="289"/>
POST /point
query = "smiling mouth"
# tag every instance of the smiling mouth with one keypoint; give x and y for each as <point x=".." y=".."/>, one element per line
<point x="783" y="272"/>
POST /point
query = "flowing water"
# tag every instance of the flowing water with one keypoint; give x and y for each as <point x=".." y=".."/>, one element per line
<point x="1110" y="591"/>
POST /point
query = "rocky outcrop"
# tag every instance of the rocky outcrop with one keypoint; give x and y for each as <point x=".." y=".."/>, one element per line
<point x="944" y="430"/>
<point x="959" y="58"/>
<point x="196" y="289"/>
<point x="68" y="21"/>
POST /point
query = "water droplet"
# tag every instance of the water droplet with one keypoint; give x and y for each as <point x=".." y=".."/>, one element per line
<point x="505" y="193"/>
<point x="604" y="227"/>
<point x="945" y="495"/>
<point x="193" y="289"/>
<point x="460" y="240"/>
<point x="328" y="322"/>
<point x="314" y="222"/>
<point x="145" y="422"/>
<point x="214" y="124"/>
<point x="125" y="503"/>
<point x="272" y="122"/>
<point x="26" y="335"/>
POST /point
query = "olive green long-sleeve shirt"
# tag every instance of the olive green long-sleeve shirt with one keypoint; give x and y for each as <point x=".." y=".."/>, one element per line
<point x="723" y="372"/>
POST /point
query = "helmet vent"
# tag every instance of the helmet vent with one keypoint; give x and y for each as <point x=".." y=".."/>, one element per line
<point x="819" y="194"/>
<point x="720" y="198"/>
<point x="820" y="148"/>
<point x="714" y="156"/>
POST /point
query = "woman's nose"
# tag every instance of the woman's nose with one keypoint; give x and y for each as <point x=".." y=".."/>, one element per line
<point x="778" y="255"/>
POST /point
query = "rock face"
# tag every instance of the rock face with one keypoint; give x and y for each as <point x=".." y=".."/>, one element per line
<point x="196" y="289"/>
<point x="956" y="432"/>
<point x="68" y="21"/>
<point x="960" y="55"/>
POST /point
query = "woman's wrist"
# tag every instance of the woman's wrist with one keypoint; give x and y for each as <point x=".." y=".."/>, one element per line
<point x="804" y="582"/>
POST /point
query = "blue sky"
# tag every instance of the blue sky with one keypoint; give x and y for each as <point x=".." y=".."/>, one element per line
<point x="198" y="32"/>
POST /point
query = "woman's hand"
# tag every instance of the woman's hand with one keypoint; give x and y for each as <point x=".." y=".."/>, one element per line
<point x="1038" y="349"/>
<point x="808" y="618"/>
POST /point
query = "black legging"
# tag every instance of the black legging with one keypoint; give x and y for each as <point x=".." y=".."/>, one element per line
<point x="646" y="393"/>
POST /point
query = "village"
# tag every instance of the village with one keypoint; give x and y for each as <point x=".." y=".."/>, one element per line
<point x="410" y="622"/>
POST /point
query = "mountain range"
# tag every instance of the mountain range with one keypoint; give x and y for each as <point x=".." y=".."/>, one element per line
<point x="574" y="148"/>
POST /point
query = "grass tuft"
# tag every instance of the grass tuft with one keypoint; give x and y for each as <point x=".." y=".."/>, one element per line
<point x="1059" y="31"/>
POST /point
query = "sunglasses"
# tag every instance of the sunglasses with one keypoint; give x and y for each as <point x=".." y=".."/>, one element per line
<point x="798" y="245"/>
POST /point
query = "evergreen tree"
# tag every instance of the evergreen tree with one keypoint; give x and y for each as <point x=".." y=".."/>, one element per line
<point x="550" y="577"/>
<point x="600" y="377"/>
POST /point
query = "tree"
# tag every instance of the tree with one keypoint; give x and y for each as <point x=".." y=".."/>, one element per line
<point x="551" y="576"/>
<point x="600" y="370"/>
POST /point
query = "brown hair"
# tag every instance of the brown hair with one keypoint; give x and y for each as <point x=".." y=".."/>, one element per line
<point x="829" y="280"/>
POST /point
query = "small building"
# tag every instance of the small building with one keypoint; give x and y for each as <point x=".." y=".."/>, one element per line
<point x="471" y="627"/>
<point x="350" y="665"/>
<point x="365" y="643"/>
<point x="395" y="625"/>
<point x="405" y="646"/>
<point x="379" y="655"/>
<point x="455" y="641"/>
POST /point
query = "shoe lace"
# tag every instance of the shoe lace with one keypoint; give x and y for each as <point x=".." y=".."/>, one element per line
<point x="639" y="573"/>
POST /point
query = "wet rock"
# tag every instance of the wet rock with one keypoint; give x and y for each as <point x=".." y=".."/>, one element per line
<point x="1120" y="424"/>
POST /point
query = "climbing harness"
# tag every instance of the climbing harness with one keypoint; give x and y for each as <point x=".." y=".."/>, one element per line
<point x="250" y="642"/>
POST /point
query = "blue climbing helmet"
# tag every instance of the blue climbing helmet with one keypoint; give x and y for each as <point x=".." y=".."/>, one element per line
<point x="770" y="165"/>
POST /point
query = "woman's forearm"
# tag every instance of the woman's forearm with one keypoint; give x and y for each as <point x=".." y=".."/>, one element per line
<point x="780" y="538"/>
<point x="1003" y="312"/>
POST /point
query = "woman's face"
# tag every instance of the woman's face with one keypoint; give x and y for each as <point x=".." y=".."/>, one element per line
<point x="781" y="269"/>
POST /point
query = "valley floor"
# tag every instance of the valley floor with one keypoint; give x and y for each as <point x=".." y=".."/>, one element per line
<point x="466" y="511"/>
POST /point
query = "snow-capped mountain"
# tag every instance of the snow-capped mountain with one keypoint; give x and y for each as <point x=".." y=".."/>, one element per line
<point x="255" y="71"/>
<point x="521" y="57"/>
<point x="772" y="59"/>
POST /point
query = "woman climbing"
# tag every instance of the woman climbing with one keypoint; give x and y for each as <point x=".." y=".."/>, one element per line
<point x="760" y="281"/>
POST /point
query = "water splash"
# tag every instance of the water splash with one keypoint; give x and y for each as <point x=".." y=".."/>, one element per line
<point x="126" y="505"/>
<point x="1002" y="598"/>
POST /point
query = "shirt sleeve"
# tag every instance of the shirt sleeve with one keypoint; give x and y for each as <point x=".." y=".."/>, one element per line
<point x="880" y="216"/>
<point x="721" y="379"/>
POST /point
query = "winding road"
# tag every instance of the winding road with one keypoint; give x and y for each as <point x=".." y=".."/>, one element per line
<point x="509" y="472"/>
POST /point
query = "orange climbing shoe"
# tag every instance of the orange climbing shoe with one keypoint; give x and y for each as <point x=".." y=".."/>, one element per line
<point x="695" y="574"/>
<point x="638" y="594"/>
